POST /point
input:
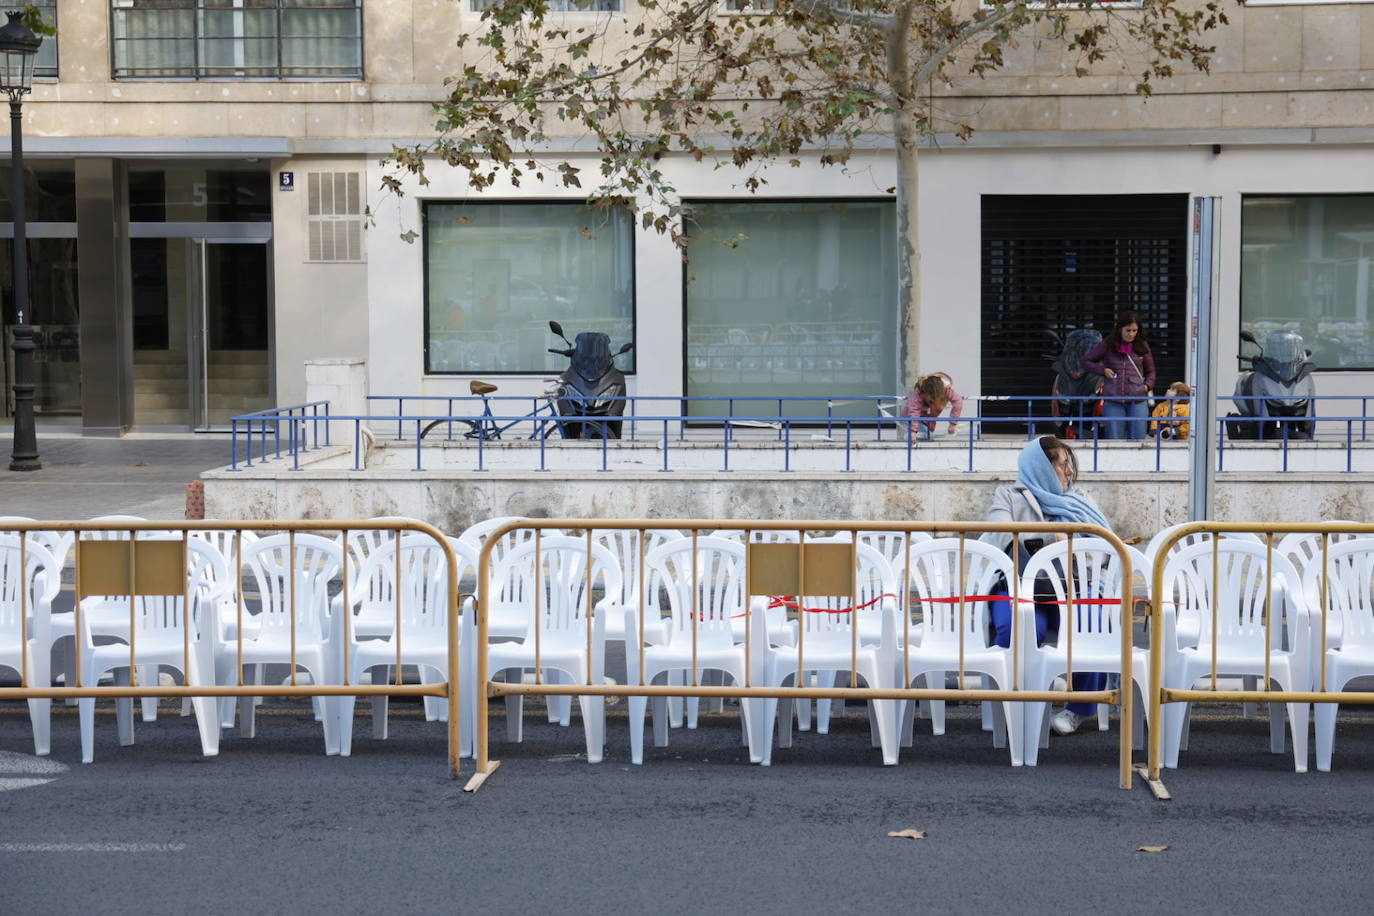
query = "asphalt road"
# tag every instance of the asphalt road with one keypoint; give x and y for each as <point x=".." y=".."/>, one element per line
<point x="272" y="825"/>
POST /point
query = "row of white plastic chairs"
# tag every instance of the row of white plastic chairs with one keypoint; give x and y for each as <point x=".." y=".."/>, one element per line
<point x="889" y="652"/>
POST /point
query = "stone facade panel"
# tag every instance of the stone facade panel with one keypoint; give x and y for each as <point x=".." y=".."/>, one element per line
<point x="1330" y="37"/>
<point x="1269" y="33"/>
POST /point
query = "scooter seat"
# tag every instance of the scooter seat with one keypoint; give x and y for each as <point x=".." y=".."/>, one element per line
<point x="480" y="388"/>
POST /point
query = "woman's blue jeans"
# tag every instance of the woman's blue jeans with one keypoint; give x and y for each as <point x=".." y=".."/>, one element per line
<point x="1046" y="619"/>
<point x="1125" y="419"/>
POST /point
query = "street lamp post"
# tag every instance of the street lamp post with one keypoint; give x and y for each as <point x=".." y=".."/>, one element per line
<point x="18" y="48"/>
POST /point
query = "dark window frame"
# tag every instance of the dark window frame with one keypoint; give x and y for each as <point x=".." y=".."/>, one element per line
<point x="515" y="373"/>
<point x="200" y="71"/>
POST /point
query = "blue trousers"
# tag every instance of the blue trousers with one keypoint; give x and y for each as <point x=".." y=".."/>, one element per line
<point x="1125" y="419"/>
<point x="1046" y="619"/>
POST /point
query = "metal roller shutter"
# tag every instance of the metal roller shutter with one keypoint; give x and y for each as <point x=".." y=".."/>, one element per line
<point x="1065" y="262"/>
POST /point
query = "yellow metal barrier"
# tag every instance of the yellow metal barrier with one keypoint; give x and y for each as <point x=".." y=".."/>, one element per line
<point x="1161" y="602"/>
<point x="787" y="568"/>
<point x="147" y="567"/>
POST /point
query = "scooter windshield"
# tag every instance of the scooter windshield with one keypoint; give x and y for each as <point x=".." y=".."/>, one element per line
<point x="592" y="355"/>
<point x="1284" y="351"/>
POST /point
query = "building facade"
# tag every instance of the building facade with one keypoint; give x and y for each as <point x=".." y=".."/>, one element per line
<point x="205" y="216"/>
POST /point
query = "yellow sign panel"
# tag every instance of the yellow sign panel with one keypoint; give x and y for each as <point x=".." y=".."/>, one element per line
<point x="104" y="567"/>
<point x="778" y="569"/>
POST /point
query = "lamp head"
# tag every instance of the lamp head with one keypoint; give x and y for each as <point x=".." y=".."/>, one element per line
<point x="18" y="48"/>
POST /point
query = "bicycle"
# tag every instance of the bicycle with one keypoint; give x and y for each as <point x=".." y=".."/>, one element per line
<point x="485" y="426"/>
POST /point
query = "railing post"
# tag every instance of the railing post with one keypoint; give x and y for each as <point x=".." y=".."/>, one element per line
<point x="233" y="444"/>
<point x="786" y="442"/>
<point x="328" y="434"/>
<point x="848" y="442"/>
<point x="248" y="440"/>
<point x="665" y="446"/>
<point x="357" y="444"/>
<point x="970" y="425"/>
<point x="725" y="442"/>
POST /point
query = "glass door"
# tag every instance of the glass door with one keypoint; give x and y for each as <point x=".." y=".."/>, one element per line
<point x="229" y="330"/>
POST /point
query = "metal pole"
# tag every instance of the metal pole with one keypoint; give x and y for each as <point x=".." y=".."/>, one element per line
<point x="1202" y="443"/>
<point x="24" y="457"/>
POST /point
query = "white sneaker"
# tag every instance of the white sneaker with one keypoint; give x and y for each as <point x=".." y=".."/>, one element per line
<point x="1065" y="722"/>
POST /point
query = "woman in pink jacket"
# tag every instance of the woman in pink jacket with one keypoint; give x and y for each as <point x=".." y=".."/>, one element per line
<point x="1124" y="358"/>
<point x="928" y="398"/>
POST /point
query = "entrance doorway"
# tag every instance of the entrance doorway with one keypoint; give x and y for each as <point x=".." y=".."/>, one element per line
<point x="202" y="330"/>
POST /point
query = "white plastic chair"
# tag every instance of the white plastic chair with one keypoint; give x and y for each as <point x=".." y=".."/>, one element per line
<point x="558" y="633"/>
<point x="712" y="586"/>
<point x="941" y="574"/>
<point x="373" y="615"/>
<point x="1095" y="627"/>
<point x="28" y="591"/>
<point x="106" y="615"/>
<point x="281" y="578"/>
<point x="423" y="607"/>
<point x="1349" y="599"/>
<point x="828" y="645"/>
<point x="165" y="632"/>
<point x="1302" y="549"/>
<point x="1241" y="643"/>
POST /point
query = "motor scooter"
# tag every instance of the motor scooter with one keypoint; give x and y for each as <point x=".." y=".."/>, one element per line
<point x="590" y="387"/>
<point x="1278" y="384"/>
<point x="1075" y="392"/>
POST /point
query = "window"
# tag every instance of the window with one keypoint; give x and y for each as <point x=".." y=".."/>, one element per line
<point x="792" y="299"/>
<point x="1307" y="265"/>
<point x="561" y="6"/>
<point x="45" y="66"/>
<point x="497" y="273"/>
<point x="237" y="39"/>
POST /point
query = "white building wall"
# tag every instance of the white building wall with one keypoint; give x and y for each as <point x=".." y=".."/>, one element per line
<point x="952" y="182"/>
<point x="322" y="310"/>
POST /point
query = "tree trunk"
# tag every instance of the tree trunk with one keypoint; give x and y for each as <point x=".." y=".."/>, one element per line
<point x="908" y="244"/>
<point x="908" y="225"/>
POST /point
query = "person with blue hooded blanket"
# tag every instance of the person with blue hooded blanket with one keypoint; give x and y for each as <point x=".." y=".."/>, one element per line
<point x="1044" y="492"/>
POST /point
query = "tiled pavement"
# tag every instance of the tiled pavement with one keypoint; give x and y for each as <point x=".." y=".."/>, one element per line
<point x="141" y="474"/>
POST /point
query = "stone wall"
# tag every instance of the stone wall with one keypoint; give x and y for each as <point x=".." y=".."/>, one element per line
<point x="1137" y="506"/>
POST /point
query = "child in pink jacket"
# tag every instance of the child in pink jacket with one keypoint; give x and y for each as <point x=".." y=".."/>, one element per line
<point x="928" y="398"/>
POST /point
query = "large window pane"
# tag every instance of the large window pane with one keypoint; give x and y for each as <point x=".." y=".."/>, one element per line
<point x="49" y="191"/>
<point x="238" y="39"/>
<point x="54" y="314"/>
<point x="45" y="65"/>
<point x="1307" y="265"/>
<point x="496" y="274"/>
<point x="792" y="299"/>
<point x="208" y="191"/>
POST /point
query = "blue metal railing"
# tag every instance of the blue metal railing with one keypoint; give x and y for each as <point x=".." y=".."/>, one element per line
<point x="307" y="426"/>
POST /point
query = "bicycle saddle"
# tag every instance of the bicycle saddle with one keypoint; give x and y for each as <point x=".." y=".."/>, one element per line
<point x="480" y="388"/>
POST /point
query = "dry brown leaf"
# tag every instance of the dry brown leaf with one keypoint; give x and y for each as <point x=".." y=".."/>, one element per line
<point x="1151" y="848"/>
<point x="908" y="834"/>
<point x="140" y="464"/>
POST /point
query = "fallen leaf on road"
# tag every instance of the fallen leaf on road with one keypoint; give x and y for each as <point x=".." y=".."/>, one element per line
<point x="1151" y="848"/>
<point x="908" y="834"/>
<point x="140" y="464"/>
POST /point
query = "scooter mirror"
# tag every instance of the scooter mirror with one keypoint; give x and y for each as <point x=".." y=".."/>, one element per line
<point x="625" y="349"/>
<point x="1248" y="338"/>
<point x="556" y="328"/>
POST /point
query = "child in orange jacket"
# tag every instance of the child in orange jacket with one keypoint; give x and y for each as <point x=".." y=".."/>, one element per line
<point x="1176" y="412"/>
